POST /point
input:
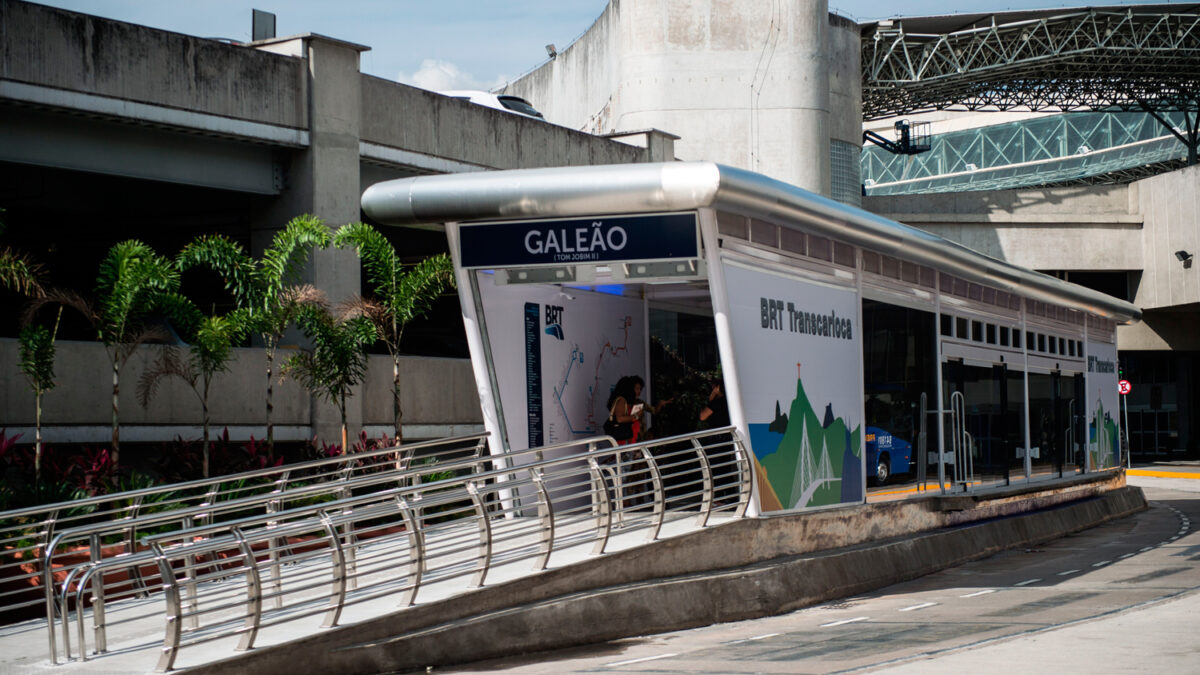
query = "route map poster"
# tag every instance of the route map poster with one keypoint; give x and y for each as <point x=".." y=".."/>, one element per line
<point x="1104" y="444"/>
<point x="558" y="356"/>
<point x="799" y="355"/>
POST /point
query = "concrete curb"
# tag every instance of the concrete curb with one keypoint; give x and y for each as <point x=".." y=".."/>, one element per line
<point x="687" y="600"/>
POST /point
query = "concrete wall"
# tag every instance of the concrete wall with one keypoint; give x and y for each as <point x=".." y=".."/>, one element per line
<point x="76" y="52"/>
<point x="746" y="84"/>
<point x="1078" y="228"/>
<point x="435" y="392"/>
<point x="400" y="116"/>
<point x="1170" y="203"/>
<point x="295" y="109"/>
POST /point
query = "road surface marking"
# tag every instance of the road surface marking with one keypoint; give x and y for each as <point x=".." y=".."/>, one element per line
<point x="1027" y="582"/>
<point x="977" y="593"/>
<point x="923" y="605"/>
<point x="1063" y="574"/>
<point x="763" y="637"/>
<point x="1127" y="555"/>
<point x="844" y="621"/>
<point x="1102" y="563"/>
<point x="645" y="658"/>
<point x="1146" y="549"/>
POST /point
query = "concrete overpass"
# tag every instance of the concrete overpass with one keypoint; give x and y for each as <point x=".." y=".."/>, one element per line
<point x="110" y="130"/>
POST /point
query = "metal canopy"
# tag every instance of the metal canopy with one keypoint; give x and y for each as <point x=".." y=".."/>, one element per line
<point x="586" y="191"/>
<point x="1139" y="57"/>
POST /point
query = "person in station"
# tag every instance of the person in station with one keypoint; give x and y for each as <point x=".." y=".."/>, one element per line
<point x="644" y="431"/>
<point x="715" y="413"/>
<point x="624" y="414"/>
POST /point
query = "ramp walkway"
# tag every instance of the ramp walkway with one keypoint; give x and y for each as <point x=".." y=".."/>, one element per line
<point x="182" y="575"/>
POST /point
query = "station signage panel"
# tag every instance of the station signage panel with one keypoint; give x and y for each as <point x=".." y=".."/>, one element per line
<point x="574" y="241"/>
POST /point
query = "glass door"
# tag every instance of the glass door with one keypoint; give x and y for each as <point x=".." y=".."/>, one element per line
<point x="983" y="424"/>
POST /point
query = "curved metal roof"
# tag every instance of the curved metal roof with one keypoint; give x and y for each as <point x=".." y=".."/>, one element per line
<point x="684" y="186"/>
<point x="1130" y="57"/>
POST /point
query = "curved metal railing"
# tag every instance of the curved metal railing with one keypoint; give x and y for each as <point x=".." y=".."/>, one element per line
<point x="239" y="567"/>
<point x="26" y="534"/>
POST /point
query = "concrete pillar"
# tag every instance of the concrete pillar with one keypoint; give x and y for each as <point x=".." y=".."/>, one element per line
<point x="324" y="180"/>
<point x="810" y="165"/>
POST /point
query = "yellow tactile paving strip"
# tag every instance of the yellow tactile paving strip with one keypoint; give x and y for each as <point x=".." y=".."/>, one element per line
<point x="1159" y="473"/>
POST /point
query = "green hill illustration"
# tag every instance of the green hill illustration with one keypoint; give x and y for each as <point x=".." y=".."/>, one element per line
<point x="810" y="464"/>
<point x="1103" y="438"/>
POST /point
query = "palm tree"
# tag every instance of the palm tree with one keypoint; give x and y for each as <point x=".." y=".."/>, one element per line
<point x="400" y="295"/>
<point x="338" y="359"/>
<point x="263" y="287"/>
<point x="134" y="285"/>
<point x="37" y="362"/>
<point x="208" y="354"/>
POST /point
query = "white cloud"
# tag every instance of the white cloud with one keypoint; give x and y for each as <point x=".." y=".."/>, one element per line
<point x="436" y="75"/>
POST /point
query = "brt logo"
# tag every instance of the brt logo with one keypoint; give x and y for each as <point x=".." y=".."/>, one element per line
<point x="554" y="321"/>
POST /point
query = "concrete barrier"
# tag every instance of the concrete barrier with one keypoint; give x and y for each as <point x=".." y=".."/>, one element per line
<point x="731" y="572"/>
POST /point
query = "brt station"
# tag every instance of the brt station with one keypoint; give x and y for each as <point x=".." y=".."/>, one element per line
<point x="863" y="360"/>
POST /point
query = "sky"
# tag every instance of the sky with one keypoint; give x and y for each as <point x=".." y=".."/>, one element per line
<point x="450" y="44"/>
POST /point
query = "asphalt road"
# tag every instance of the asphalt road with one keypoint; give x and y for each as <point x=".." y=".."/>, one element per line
<point x="1121" y="597"/>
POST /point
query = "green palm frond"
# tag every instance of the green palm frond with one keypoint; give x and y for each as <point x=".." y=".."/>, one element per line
<point x="421" y="285"/>
<point x="37" y="356"/>
<point x="212" y="346"/>
<point x="131" y="280"/>
<point x="338" y="359"/>
<point x="379" y="259"/>
<point x="229" y="260"/>
<point x="283" y="261"/>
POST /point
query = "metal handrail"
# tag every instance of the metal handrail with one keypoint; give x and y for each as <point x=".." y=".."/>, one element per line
<point x="272" y="501"/>
<point x="31" y="529"/>
<point x="575" y="505"/>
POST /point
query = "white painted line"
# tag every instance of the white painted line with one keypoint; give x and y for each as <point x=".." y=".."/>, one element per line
<point x="1102" y="563"/>
<point x="1027" y="582"/>
<point x="1146" y="549"/>
<point x="646" y="658"/>
<point x="923" y="605"/>
<point x="978" y="593"/>
<point x="1127" y="555"/>
<point x="1173" y="538"/>
<point x="1067" y="573"/>
<point x="1164" y="543"/>
<point x="763" y="637"/>
<point x="844" y="622"/>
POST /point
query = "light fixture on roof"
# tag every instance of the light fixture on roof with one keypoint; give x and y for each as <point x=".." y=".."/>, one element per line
<point x="551" y="50"/>
<point x="1185" y="258"/>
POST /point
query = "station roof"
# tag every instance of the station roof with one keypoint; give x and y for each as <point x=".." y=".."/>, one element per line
<point x="1129" y="57"/>
<point x="591" y="191"/>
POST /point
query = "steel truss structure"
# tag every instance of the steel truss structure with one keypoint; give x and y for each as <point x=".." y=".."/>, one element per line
<point x="1144" y="57"/>
<point x="1079" y="148"/>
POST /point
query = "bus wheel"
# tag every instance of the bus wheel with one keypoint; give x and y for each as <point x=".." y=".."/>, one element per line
<point x="883" y="470"/>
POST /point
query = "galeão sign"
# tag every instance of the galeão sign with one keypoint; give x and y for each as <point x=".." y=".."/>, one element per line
<point x="579" y="240"/>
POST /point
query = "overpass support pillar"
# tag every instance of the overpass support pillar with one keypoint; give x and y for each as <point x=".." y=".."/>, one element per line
<point x="323" y="179"/>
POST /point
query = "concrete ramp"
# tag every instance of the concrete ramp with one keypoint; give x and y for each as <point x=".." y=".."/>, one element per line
<point x="741" y="569"/>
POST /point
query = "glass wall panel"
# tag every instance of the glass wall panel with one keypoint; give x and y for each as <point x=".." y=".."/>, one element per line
<point x="1057" y="424"/>
<point x="1044" y="453"/>
<point x="990" y="445"/>
<point x="898" y="368"/>
<point x="1014" y="423"/>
